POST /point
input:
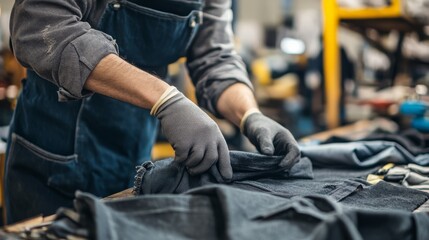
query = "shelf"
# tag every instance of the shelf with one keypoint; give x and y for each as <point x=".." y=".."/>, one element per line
<point x="401" y="24"/>
<point x="381" y="19"/>
<point x="392" y="11"/>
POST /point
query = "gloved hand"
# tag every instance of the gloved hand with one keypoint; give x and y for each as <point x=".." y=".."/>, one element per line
<point x="270" y="138"/>
<point x="195" y="137"/>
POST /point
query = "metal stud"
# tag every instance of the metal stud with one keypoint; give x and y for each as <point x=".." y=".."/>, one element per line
<point x="192" y="22"/>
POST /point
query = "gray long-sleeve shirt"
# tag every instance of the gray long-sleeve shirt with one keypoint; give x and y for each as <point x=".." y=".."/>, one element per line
<point x="55" y="38"/>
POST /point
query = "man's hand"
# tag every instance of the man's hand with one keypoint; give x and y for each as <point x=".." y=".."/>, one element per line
<point x="238" y="105"/>
<point x="270" y="138"/>
<point x="195" y="137"/>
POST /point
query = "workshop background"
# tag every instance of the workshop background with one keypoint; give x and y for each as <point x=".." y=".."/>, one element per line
<point x="317" y="65"/>
<point x="344" y="66"/>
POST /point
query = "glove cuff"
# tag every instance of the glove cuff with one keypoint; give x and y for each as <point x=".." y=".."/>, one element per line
<point x="246" y="116"/>
<point x="167" y="95"/>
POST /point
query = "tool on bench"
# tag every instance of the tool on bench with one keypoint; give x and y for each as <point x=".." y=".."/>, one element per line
<point x="417" y="109"/>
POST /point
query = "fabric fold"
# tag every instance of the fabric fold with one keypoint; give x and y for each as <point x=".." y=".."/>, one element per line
<point x="222" y="212"/>
<point x="343" y="178"/>
<point x="168" y="176"/>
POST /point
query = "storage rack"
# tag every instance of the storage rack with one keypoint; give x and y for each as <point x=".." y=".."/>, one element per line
<point x="387" y="18"/>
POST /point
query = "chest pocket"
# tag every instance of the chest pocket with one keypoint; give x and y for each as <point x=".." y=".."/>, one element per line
<point x="152" y="33"/>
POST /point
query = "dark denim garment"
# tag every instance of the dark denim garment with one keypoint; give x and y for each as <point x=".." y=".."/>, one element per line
<point x="362" y="154"/>
<point x="261" y="173"/>
<point x="221" y="212"/>
<point x="168" y="176"/>
<point x="414" y="141"/>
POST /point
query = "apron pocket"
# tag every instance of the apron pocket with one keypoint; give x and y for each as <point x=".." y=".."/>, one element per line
<point x="177" y="7"/>
<point x="59" y="172"/>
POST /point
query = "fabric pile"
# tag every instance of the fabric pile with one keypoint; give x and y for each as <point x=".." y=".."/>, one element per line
<point x="335" y="170"/>
<point x="411" y="175"/>
<point x="325" y="195"/>
<point x="221" y="212"/>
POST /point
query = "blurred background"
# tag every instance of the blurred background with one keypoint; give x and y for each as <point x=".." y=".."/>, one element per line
<point x="316" y="64"/>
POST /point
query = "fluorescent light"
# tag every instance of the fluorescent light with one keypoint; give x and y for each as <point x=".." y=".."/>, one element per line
<point x="292" y="46"/>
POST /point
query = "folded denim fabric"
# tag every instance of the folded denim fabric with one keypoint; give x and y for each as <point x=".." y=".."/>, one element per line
<point x="262" y="173"/>
<point x="351" y="192"/>
<point x="414" y="141"/>
<point x="361" y="154"/>
<point x="168" y="176"/>
<point x="221" y="212"/>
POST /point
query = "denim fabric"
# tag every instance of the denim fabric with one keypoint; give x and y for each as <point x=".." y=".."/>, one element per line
<point x="261" y="173"/>
<point x="147" y="29"/>
<point x="412" y="140"/>
<point x="385" y="196"/>
<point x="354" y="193"/>
<point x="93" y="140"/>
<point x="168" y="176"/>
<point x="220" y="212"/>
<point x="361" y="154"/>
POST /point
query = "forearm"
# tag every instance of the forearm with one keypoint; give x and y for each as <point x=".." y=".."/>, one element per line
<point x="212" y="61"/>
<point x="118" y="79"/>
<point x="235" y="101"/>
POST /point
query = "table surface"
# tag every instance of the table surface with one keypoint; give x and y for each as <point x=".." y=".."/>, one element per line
<point x="356" y="130"/>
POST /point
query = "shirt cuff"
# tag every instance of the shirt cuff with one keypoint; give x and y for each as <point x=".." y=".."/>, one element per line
<point x="78" y="60"/>
<point x="209" y="95"/>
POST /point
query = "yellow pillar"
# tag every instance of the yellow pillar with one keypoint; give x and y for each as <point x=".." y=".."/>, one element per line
<point x="331" y="63"/>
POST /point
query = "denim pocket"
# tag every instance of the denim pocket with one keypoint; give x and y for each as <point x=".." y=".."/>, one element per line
<point x="344" y="190"/>
<point x="57" y="171"/>
<point x="312" y="208"/>
<point x="337" y="189"/>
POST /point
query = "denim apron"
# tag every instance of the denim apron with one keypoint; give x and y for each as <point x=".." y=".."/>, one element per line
<point x="93" y="144"/>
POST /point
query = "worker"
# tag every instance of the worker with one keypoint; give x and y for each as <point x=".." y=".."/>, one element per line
<point x="90" y="105"/>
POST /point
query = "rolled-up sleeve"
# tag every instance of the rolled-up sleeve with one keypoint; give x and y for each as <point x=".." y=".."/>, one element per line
<point x="213" y="63"/>
<point x="51" y="38"/>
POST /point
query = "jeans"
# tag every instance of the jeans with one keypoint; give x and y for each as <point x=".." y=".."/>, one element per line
<point x="362" y="154"/>
<point x="262" y="173"/>
<point x="167" y="176"/>
<point x="412" y="140"/>
<point x="221" y="212"/>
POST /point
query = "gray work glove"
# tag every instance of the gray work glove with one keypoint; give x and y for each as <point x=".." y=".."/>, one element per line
<point x="195" y="137"/>
<point x="270" y="138"/>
